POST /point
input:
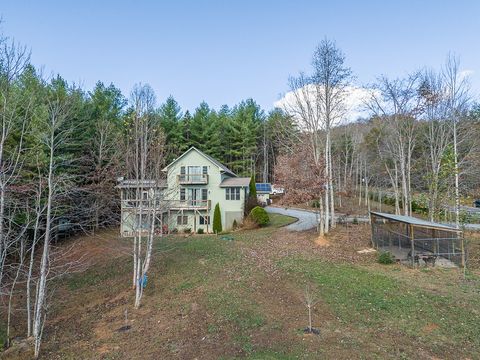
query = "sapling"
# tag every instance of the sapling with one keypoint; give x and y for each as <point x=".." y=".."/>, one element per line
<point x="310" y="302"/>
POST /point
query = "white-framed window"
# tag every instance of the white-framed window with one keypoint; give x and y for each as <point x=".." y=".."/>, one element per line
<point x="182" y="194"/>
<point x="232" y="193"/>
<point x="182" y="220"/>
<point x="204" y="220"/>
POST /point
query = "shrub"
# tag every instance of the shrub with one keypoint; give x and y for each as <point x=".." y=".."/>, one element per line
<point x="315" y="204"/>
<point x="200" y="231"/>
<point x="260" y="216"/>
<point x="234" y="225"/>
<point x="187" y="230"/>
<point x="217" y="220"/>
<point x="355" y="221"/>
<point x="174" y="231"/>
<point x="386" y="258"/>
<point x="253" y="189"/>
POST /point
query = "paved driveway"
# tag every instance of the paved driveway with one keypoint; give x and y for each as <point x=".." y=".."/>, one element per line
<point x="306" y="219"/>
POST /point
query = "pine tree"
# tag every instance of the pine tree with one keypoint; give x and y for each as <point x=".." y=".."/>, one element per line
<point x="185" y="128"/>
<point x="198" y="126"/>
<point x="170" y="116"/>
<point x="217" y="220"/>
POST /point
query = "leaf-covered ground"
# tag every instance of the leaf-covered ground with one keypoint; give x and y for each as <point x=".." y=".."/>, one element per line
<point x="208" y="298"/>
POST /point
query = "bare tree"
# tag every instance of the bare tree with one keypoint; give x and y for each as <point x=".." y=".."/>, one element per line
<point x="457" y="94"/>
<point x="14" y="123"/>
<point x="310" y="302"/>
<point x="318" y="104"/>
<point x="53" y="135"/>
<point x="331" y="78"/>
<point x="145" y="159"/>
<point x="398" y="103"/>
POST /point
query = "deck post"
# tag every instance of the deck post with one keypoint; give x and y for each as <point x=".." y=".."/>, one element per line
<point x="372" y="229"/>
<point x="412" y="245"/>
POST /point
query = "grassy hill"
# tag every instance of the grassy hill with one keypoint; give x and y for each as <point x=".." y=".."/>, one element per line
<point x="207" y="298"/>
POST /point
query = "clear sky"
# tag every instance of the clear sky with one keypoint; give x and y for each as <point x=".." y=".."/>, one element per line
<point x="226" y="51"/>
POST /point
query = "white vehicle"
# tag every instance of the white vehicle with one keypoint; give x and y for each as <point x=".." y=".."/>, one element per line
<point x="277" y="190"/>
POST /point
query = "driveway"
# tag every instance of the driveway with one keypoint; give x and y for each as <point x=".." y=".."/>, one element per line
<point x="306" y="219"/>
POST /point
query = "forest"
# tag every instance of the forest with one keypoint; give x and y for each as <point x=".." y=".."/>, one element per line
<point x="62" y="149"/>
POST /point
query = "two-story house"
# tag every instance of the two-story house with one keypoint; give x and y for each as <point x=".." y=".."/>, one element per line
<point x="195" y="183"/>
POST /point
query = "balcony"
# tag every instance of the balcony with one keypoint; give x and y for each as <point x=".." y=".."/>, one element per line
<point x="190" y="179"/>
<point x="190" y="204"/>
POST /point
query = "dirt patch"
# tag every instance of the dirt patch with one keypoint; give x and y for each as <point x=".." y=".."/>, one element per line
<point x="321" y="241"/>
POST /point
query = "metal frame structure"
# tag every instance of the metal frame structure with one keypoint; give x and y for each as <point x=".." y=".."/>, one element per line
<point x="417" y="239"/>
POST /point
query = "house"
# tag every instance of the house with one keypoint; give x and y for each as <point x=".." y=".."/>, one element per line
<point x="195" y="183"/>
<point x="263" y="193"/>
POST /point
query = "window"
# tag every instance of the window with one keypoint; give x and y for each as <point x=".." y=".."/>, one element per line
<point x="182" y="194"/>
<point x="182" y="220"/>
<point x="204" y="194"/>
<point x="205" y="170"/>
<point x="204" y="220"/>
<point x="232" y="193"/>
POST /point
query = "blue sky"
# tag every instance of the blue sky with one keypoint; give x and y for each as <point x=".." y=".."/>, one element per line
<point x="226" y="51"/>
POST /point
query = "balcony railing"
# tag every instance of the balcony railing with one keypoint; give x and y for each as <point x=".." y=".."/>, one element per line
<point x="164" y="205"/>
<point x="190" y="204"/>
<point x="184" y="179"/>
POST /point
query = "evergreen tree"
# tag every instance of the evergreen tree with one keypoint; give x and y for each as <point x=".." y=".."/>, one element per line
<point x="170" y="121"/>
<point x="253" y="188"/>
<point x="185" y="128"/>
<point x="198" y="126"/>
<point x="217" y="220"/>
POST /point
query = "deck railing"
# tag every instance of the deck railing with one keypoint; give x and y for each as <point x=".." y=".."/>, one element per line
<point x="184" y="179"/>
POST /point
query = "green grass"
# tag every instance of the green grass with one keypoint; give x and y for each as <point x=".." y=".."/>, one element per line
<point x="99" y="274"/>
<point x="229" y="307"/>
<point x="279" y="220"/>
<point x="368" y="298"/>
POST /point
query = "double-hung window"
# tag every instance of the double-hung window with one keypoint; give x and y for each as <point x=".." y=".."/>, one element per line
<point x="232" y="193"/>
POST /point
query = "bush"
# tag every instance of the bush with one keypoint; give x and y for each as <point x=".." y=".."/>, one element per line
<point x="217" y="220"/>
<point x="187" y="230"/>
<point x="315" y="204"/>
<point x="386" y="258"/>
<point x="252" y="187"/>
<point x="260" y="216"/>
<point x="200" y="231"/>
<point x="234" y="225"/>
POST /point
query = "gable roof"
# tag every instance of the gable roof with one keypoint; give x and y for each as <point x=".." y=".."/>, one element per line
<point x="208" y="157"/>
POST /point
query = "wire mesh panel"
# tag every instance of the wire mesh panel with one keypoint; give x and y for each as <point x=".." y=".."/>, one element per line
<point x="415" y="241"/>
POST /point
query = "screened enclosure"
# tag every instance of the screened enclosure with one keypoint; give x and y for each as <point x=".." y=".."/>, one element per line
<point x="417" y="242"/>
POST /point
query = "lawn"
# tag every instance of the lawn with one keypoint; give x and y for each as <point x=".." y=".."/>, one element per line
<point x="209" y="298"/>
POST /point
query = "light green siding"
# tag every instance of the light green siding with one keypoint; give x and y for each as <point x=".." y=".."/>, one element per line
<point x="230" y="209"/>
